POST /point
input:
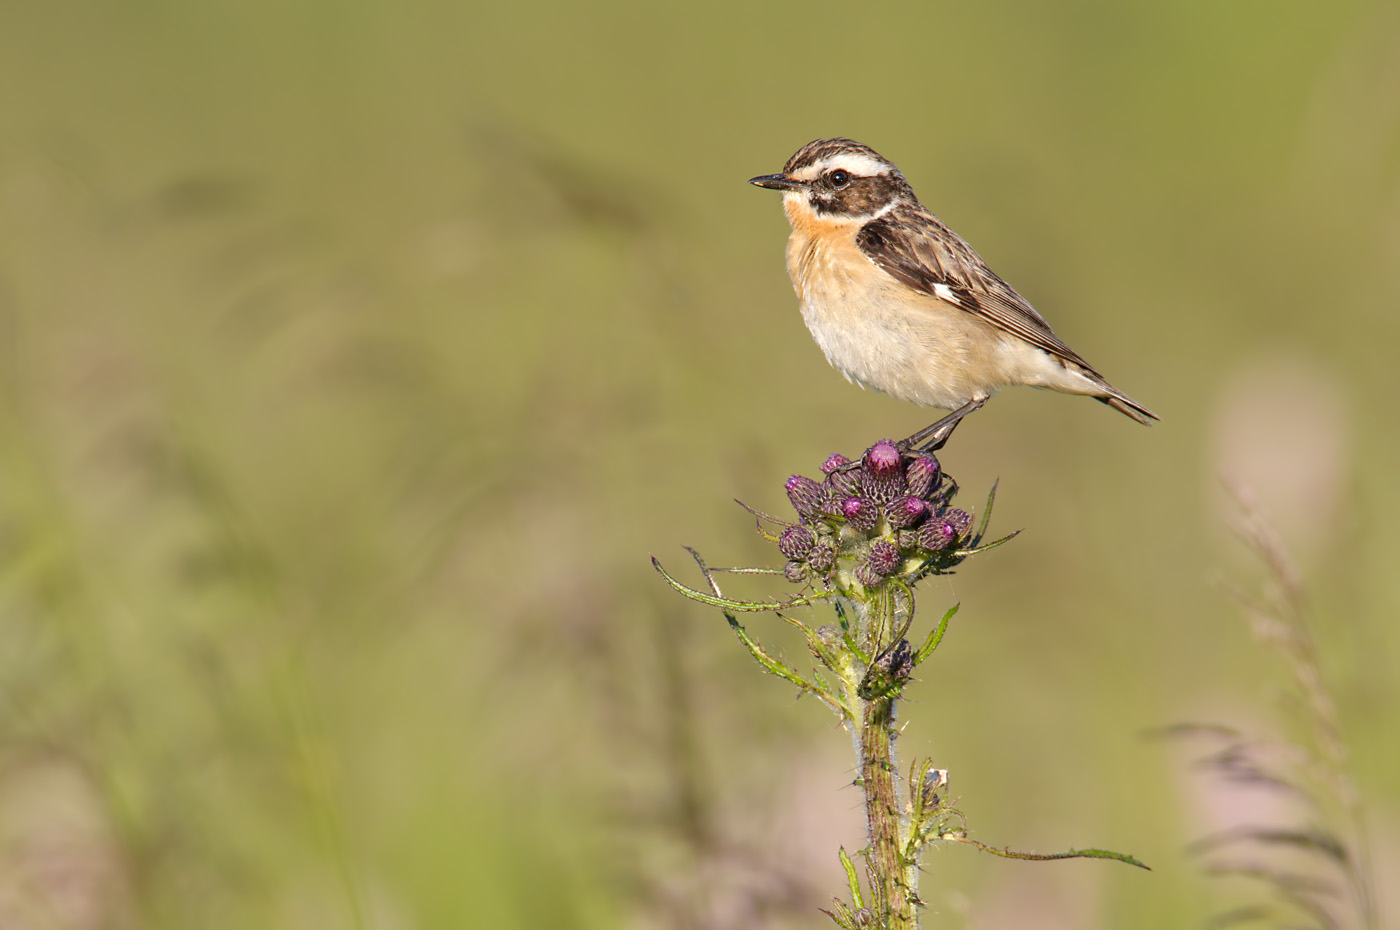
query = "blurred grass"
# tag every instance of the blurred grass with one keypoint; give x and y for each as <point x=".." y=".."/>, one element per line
<point x="353" y="357"/>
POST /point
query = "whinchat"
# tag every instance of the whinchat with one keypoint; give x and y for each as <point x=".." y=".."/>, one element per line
<point x="900" y="303"/>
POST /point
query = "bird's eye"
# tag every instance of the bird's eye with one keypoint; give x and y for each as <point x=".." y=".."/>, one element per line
<point x="839" y="178"/>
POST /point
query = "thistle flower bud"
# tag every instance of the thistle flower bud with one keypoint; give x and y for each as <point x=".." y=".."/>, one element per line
<point x="808" y="497"/>
<point x="796" y="542"/>
<point x="861" y="513"/>
<point x="944" y="530"/>
<point x="867" y="575"/>
<point x="906" y="511"/>
<point x="884" y="557"/>
<point x="959" y="520"/>
<point x="884" y="516"/>
<point x="936" y="535"/>
<point x="883" y="468"/>
<point x="921" y="475"/>
<point x="822" y="558"/>
<point x="883" y="459"/>
<point x="845" y="483"/>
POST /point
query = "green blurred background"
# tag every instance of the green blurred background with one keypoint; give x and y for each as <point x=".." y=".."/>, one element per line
<point x="354" y="357"/>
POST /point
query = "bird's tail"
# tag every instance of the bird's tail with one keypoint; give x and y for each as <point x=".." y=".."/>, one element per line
<point x="1126" y="405"/>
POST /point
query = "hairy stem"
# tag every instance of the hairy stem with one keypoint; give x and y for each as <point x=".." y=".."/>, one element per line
<point x="893" y="881"/>
<point x="894" y="896"/>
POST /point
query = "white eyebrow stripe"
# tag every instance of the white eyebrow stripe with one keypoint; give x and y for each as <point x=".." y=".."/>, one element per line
<point x="857" y="163"/>
<point x="944" y="292"/>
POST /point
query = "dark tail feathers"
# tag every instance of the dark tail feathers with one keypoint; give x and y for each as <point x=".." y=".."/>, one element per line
<point x="1127" y="406"/>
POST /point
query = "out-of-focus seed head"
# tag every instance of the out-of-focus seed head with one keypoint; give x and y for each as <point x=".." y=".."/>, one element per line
<point x="884" y="557"/>
<point x="795" y="572"/>
<point x="904" y="512"/>
<point x="883" y="468"/>
<point x="921" y="475"/>
<point x="861" y="513"/>
<point x="808" y="497"/>
<point x="834" y="462"/>
<point x="796" y="542"/>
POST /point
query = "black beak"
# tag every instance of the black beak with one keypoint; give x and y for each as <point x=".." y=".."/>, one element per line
<point x="777" y="182"/>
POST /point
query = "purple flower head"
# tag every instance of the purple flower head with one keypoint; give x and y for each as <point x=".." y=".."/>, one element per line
<point x="796" y="542"/>
<point x="944" y="530"/>
<point x="845" y="482"/>
<point x="822" y="558"/>
<point x="883" y="468"/>
<point x="867" y="575"/>
<point x="834" y="462"/>
<point x="883" y="459"/>
<point x="883" y="558"/>
<point x="795" y="572"/>
<point x="921" y="475"/>
<point x="861" y="513"/>
<point x="906" y="511"/>
<point x="936" y="535"/>
<point x="807" y="496"/>
<point x="959" y="520"/>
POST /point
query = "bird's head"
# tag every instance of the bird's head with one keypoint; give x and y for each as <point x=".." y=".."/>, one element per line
<point x="837" y="181"/>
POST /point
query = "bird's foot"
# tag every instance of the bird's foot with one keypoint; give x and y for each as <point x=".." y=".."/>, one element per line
<point x="933" y="437"/>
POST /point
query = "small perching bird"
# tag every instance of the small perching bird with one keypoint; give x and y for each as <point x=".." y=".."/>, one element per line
<point x="900" y="303"/>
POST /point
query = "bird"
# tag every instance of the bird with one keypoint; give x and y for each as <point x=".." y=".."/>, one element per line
<point x="899" y="303"/>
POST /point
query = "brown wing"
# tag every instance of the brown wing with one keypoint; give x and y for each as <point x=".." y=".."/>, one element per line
<point x="918" y="250"/>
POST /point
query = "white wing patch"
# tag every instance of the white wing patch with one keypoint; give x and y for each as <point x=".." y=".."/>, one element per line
<point x="944" y="292"/>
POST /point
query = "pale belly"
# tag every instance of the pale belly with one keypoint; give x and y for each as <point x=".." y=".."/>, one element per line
<point x="913" y="346"/>
<point x="882" y="335"/>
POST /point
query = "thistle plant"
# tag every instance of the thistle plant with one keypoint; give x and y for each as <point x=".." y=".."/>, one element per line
<point x="864" y="536"/>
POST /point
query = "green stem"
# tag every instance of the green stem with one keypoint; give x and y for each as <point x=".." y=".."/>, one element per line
<point x="893" y="880"/>
<point x="889" y="879"/>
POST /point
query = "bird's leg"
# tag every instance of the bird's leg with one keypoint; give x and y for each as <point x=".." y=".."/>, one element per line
<point x="931" y="438"/>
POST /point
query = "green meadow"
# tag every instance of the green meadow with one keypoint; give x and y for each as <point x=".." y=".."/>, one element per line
<point x="355" y="358"/>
